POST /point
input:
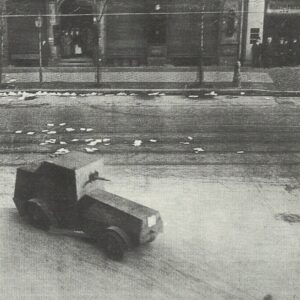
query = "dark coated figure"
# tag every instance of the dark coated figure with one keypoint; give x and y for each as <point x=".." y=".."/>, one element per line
<point x="268" y="53"/>
<point x="256" y="53"/>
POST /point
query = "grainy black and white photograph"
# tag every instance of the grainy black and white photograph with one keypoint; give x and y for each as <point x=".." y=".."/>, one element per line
<point x="150" y="149"/>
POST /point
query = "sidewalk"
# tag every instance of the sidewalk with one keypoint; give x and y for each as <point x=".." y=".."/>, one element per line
<point x="257" y="81"/>
<point x="139" y="77"/>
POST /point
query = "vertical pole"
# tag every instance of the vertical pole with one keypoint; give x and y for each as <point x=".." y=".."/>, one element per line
<point x="241" y="30"/>
<point x="40" y="56"/>
<point x="1" y="45"/>
<point x="200" y="64"/>
<point x="98" y="63"/>
<point x="98" y="54"/>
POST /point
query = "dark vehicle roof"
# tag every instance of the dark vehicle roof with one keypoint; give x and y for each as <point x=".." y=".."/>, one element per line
<point x="73" y="160"/>
<point x="127" y="206"/>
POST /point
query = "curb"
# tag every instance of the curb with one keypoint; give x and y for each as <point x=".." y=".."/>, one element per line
<point x="189" y="91"/>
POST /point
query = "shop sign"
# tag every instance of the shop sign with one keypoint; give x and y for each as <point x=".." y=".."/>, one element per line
<point x="283" y="7"/>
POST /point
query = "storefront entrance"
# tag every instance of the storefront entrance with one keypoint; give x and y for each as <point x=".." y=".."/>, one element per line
<point x="77" y="36"/>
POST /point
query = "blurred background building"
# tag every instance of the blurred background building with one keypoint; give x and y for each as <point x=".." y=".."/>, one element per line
<point x="143" y="32"/>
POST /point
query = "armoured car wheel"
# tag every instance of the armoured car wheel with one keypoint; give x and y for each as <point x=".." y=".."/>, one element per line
<point x="38" y="217"/>
<point x="114" y="245"/>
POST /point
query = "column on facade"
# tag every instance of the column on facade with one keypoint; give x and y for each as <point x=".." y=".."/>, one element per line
<point x="255" y="26"/>
<point x="230" y="32"/>
<point x="4" y="33"/>
<point x="52" y="21"/>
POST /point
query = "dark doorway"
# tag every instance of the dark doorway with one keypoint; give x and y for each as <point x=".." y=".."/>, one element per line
<point x="78" y="36"/>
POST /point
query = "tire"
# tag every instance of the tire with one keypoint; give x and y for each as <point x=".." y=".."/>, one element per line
<point x="38" y="217"/>
<point x="114" y="246"/>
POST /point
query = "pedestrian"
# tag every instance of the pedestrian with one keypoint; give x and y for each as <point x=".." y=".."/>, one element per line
<point x="77" y="43"/>
<point x="280" y="53"/>
<point x="294" y="51"/>
<point x="66" y="44"/>
<point x="268" y="52"/>
<point x="256" y="53"/>
<point x="286" y="51"/>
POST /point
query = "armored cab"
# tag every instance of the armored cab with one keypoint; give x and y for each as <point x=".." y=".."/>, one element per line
<point x="68" y="192"/>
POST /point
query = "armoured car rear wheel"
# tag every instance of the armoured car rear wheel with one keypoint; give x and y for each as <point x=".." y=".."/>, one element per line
<point x="114" y="246"/>
<point x="38" y="217"/>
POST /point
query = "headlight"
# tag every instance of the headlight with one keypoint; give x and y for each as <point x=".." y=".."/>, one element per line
<point x="151" y="221"/>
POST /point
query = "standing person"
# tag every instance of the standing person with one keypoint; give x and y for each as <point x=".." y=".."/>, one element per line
<point x="286" y="52"/>
<point x="268" y="53"/>
<point x="256" y="53"/>
<point x="280" y="53"/>
<point x="77" y="42"/>
<point x="294" y="51"/>
<point x="72" y="36"/>
<point x="66" y="44"/>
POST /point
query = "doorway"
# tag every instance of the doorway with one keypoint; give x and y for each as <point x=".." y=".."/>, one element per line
<point x="78" y="34"/>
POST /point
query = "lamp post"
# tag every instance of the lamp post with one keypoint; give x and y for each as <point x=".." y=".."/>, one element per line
<point x="98" y="59"/>
<point x="1" y="45"/>
<point x="97" y="21"/>
<point x="38" y="24"/>
<point x="200" y="62"/>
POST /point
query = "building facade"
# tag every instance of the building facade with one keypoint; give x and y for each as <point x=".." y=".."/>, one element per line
<point x="279" y="19"/>
<point x="129" y="32"/>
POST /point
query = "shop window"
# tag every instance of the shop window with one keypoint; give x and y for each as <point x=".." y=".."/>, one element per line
<point x="254" y="34"/>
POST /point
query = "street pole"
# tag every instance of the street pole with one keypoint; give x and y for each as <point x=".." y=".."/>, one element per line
<point x="98" y="22"/>
<point x="39" y="24"/>
<point x="1" y="46"/>
<point x="40" y="56"/>
<point x="98" y="54"/>
<point x="200" y="62"/>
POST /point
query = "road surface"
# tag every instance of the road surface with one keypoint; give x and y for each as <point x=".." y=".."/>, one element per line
<point x="231" y="219"/>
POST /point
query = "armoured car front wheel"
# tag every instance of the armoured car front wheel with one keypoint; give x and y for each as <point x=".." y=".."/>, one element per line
<point x="114" y="245"/>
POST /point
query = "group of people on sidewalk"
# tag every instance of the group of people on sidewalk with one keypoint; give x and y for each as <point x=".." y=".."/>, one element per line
<point x="284" y="52"/>
<point x="76" y="42"/>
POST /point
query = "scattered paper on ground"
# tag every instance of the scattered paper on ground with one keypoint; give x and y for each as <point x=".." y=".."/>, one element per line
<point x="137" y="143"/>
<point x="91" y="150"/>
<point x="69" y="129"/>
<point x="198" y="150"/>
<point x="51" y="132"/>
<point x="62" y="151"/>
